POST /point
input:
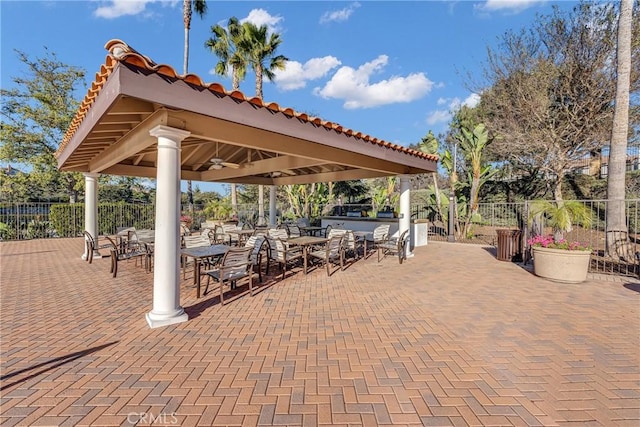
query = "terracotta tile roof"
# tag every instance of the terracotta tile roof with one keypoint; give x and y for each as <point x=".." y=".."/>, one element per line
<point x="119" y="51"/>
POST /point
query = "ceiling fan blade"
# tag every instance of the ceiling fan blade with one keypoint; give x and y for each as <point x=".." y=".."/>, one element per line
<point x="230" y="165"/>
<point x="288" y="172"/>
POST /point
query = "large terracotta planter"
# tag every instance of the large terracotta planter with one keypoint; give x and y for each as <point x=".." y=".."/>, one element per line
<point x="561" y="265"/>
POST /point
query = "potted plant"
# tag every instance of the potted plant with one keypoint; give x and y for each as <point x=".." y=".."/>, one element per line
<point x="554" y="257"/>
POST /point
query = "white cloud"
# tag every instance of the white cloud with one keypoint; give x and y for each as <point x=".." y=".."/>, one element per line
<point x="296" y="75"/>
<point x="472" y="100"/>
<point x="513" y="6"/>
<point x="261" y="17"/>
<point x="438" y="116"/>
<point x="117" y="8"/>
<point x="454" y="104"/>
<point x="355" y="88"/>
<point x="339" y="15"/>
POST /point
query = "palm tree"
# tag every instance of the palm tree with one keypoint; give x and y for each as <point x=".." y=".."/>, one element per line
<point x="259" y="47"/>
<point x="616" y="223"/>
<point x="224" y="44"/>
<point x="188" y="6"/>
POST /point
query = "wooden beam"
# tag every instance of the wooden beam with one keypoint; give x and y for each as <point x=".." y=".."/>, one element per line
<point x="260" y="167"/>
<point x="210" y="128"/>
<point x="344" y="175"/>
<point x="131" y="144"/>
<point x="146" y="172"/>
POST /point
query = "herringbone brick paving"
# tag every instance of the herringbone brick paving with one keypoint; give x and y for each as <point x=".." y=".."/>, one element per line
<point x="451" y="337"/>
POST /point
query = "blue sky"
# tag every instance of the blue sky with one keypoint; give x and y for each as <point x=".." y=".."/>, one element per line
<point x="391" y="69"/>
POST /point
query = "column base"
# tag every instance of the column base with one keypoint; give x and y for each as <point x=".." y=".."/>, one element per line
<point x="159" y="320"/>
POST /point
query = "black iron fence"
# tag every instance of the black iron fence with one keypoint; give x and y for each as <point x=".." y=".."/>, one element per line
<point x="50" y="220"/>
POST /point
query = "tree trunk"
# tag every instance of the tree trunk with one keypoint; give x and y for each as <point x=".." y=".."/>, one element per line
<point x="186" y="16"/>
<point x="261" y="205"/>
<point x="617" y="239"/>
<point x="234" y="199"/>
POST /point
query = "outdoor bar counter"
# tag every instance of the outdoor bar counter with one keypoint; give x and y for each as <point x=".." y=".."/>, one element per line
<point x="419" y="228"/>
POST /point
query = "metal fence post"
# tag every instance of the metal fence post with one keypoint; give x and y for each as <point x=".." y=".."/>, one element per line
<point x="452" y="209"/>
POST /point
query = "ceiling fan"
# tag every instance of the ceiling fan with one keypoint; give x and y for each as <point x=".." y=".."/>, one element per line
<point x="217" y="163"/>
<point x="276" y="174"/>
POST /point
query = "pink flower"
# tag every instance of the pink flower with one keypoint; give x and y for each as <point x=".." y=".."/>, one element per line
<point x="551" y="243"/>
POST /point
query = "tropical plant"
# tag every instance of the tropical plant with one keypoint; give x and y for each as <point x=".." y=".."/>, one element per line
<point x="218" y="209"/>
<point x="561" y="216"/>
<point x="430" y="145"/>
<point x="305" y="200"/>
<point x="200" y="7"/>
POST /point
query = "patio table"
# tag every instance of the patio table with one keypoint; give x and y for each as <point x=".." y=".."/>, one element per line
<point x="362" y="237"/>
<point x="311" y="230"/>
<point x="242" y="234"/>
<point x="200" y="253"/>
<point x="305" y="242"/>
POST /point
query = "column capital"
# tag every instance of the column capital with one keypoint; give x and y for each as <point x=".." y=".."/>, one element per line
<point x="90" y="175"/>
<point x="169" y="132"/>
<point x="404" y="177"/>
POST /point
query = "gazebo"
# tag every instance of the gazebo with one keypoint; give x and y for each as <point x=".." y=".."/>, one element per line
<point x="143" y="119"/>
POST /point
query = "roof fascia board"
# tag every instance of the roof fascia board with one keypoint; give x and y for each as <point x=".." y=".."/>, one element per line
<point x="130" y="144"/>
<point x="108" y="95"/>
<point x="181" y="96"/>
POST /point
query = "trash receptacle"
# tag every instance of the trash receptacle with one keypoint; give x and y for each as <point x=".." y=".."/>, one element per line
<point x="509" y="245"/>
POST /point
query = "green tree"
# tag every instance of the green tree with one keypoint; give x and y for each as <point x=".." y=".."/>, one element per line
<point x="188" y="7"/>
<point x="351" y="190"/>
<point x="550" y="89"/>
<point x="35" y="116"/>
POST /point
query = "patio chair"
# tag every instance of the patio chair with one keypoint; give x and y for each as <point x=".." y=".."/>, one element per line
<point x="293" y="230"/>
<point x="395" y="246"/>
<point x="259" y="245"/>
<point x="303" y="222"/>
<point x="282" y="254"/>
<point x="380" y="235"/>
<point x="236" y="265"/>
<point x="140" y="250"/>
<point x="91" y="246"/>
<point x="222" y="234"/>
<point x="194" y="241"/>
<point x="278" y="233"/>
<point x="331" y="253"/>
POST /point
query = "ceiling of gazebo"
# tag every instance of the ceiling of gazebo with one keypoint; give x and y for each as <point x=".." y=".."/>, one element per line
<point x="260" y="143"/>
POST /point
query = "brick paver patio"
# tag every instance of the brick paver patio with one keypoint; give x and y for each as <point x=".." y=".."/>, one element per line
<point x="451" y="337"/>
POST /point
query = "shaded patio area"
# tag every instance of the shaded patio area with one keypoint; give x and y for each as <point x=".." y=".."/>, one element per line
<point x="450" y="337"/>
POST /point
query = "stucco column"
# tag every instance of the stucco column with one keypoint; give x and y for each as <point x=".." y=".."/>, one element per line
<point x="91" y="210"/>
<point x="272" y="206"/>
<point x="166" y="275"/>
<point x="405" y="209"/>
